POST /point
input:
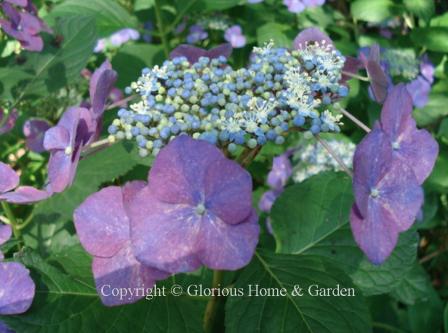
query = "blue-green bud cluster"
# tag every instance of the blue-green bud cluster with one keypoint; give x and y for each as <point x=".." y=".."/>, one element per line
<point x="279" y="90"/>
<point x="401" y="62"/>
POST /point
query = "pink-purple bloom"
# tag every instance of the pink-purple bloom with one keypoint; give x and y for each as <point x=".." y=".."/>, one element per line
<point x="16" y="286"/>
<point x="297" y="6"/>
<point x="117" y="39"/>
<point x="23" y="24"/>
<point x="196" y="210"/>
<point x="196" y="34"/>
<point x="7" y="121"/>
<point x="390" y="164"/>
<point x="234" y="35"/>
<point x="193" y="53"/>
<point x="34" y="131"/>
<point x="103" y="227"/>
<point x="10" y="191"/>
<point x="420" y="87"/>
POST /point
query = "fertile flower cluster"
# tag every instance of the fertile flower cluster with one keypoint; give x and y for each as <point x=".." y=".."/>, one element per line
<point x="16" y="286"/>
<point x="23" y="24"/>
<point x="196" y="209"/>
<point x="312" y="158"/>
<point x="390" y="165"/>
<point x="201" y="95"/>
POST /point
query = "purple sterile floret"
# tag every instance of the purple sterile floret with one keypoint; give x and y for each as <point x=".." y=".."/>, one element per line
<point x="280" y="172"/>
<point x="7" y="122"/>
<point x="101" y="85"/>
<point x="196" y="34"/>
<point x="34" y="131"/>
<point x="9" y="180"/>
<point x="5" y="235"/>
<point x="234" y="35"/>
<point x="267" y="200"/>
<point x="311" y="35"/>
<point x="294" y="6"/>
<point x="379" y="81"/>
<point x="16" y="288"/>
<point x="416" y="148"/>
<point x="387" y="194"/>
<point x="199" y="201"/>
<point x="103" y="228"/>
<point x="193" y="53"/>
<point x="65" y="141"/>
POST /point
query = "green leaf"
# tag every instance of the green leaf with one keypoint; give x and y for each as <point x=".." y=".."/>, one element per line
<point x="65" y="304"/>
<point x="422" y="8"/>
<point x="108" y="14"/>
<point x="438" y="180"/>
<point x="373" y="11"/>
<point x="48" y="228"/>
<point x="319" y="226"/>
<point x="273" y="31"/>
<point x="413" y="287"/>
<point x="10" y="81"/>
<point x="426" y="315"/>
<point x="440" y="21"/>
<point x="433" y="38"/>
<point x="132" y="58"/>
<point x="434" y="110"/>
<point x="294" y="313"/>
<point x="211" y="5"/>
<point x="55" y="67"/>
<point x="143" y="4"/>
<point x="445" y="319"/>
<point x="443" y="130"/>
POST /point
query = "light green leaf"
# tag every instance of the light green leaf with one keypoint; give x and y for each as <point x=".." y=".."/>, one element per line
<point x="293" y="313"/>
<point x="108" y="14"/>
<point x="65" y="304"/>
<point x="433" y="38"/>
<point x="211" y="5"/>
<point x="422" y="8"/>
<point x="434" y="110"/>
<point x="273" y="31"/>
<point x="373" y="11"/>
<point x="438" y="180"/>
<point x="55" y="67"/>
<point x="143" y="4"/>
<point x="319" y="225"/>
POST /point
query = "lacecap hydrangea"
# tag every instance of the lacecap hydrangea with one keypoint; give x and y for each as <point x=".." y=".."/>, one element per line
<point x="206" y="98"/>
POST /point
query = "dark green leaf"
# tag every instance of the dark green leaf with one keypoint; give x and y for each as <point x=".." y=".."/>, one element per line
<point x="210" y="5"/>
<point x="414" y="287"/>
<point x="293" y="313"/>
<point x="426" y="315"/>
<point x="10" y="78"/>
<point x="433" y="38"/>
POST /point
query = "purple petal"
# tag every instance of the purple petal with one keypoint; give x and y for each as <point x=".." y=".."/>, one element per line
<point x="56" y="138"/>
<point x="25" y="195"/>
<point x="34" y="131"/>
<point x="62" y="170"/>
<point x="224" y="50"/>
<point x="311" y="35"/>
<point x="427" y="69"/>
<point x="235" y="37"/>
<point x="267" y="200"/>
<point x="227" y="247"/>
<point x="156" y="226"/>
<point x="4" y="328"/>
<point x="20" y="3"/>
<point x="124" y="272"/>
<point x="419" y="90"/>
<point x="376" y="237"/>
<point x="192" y="53"/>
<point x="396" y="114"/>
<point x="228" y="191"/>
<point x="8" y="124"/>
<point x="16" y="288"/>
<point x="9" y="179"/>
<point x="32" y="43"/>
<point x="352" y="66"/>
<point x="5" y="233"/>
<point x="101" y="84"/>
<point x="280" y="172"/>
<point x="101" y="222"/>
<point x="294" y="6"/>
<point x="379" y="83"/>
<point x="178" y="173"/>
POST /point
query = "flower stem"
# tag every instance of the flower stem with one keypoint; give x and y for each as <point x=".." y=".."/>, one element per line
<point x="120" y="102"/>
<point x="210" y="310"/>
<point x="12" y="219"/>
<point x="161" y="28"/>
<point x="247" y="156"/>
<point x="334" y="155"/>
<point x="354" y="119"/>
<point x="356" y="76"/>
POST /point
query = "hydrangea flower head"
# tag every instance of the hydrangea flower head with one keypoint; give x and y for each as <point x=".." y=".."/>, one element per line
<point x="10" y="190"/>
<point x="234" y="35"/>
<point x="34" y="132"/>
<point x="65" y="142"/>
<point x="102" y="225"/>
<point x="7" y="121"/>
<point x="197" y="210"/>
<point x="387" y="194"/>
